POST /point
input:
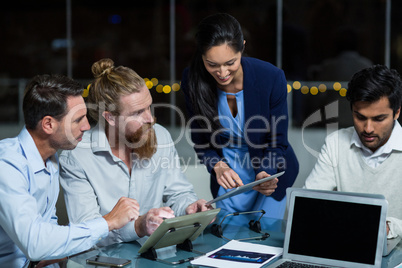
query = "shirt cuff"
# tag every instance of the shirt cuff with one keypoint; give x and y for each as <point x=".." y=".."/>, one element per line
<point x="99" y="228"/>
<point x="391" y="234"/>
<point x="128" y="233"/>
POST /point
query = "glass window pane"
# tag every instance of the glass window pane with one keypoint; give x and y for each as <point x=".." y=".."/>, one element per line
<point x="136" y="34"/>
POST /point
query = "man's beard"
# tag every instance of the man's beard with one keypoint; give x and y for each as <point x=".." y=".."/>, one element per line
<point x="144" y="147"/>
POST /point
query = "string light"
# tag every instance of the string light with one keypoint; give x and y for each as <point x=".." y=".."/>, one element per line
<point x="314" y="90"/>
<point x="167" y="89"/>
<point x="154" y="81"/>
<point x="342" y="92"/>
<point x="159" y="88"/>
<point x="308" y="88"/>
<point x="337" y="86"/>
<point x="296" y="85"/>
<point x="175" y="87"/>
<point x="149" y="84"/>
<point x="305" y="89"/>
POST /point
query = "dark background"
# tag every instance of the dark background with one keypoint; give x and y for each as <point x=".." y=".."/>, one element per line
<point x="136" y="34"/>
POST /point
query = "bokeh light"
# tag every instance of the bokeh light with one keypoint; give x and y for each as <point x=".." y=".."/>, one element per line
<point x="304" y="89"/>
<point x="322" y="88"/>
<point x="149" y="84"/>
<point x="167" y="89"/>
<point x="175" y="87"/>
<point x="342" y="92"/>
<point x="159" y="88"/>
<point x="337" y="86"/>
<point x="296" y="85"/>
<point x="314" y="90"/>
<point x="154" y="81"/>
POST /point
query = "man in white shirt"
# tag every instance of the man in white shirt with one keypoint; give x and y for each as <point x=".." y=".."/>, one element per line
<point x="367" y="158"/>
<point x="55" y="118"/>
<point x="125" y="154"/>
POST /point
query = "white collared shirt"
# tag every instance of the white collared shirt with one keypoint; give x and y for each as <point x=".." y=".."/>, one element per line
<point x="381" y="154"/>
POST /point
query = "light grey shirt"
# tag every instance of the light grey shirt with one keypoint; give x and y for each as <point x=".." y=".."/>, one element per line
<point x="94" y="179"/>
<point x="375" y="159"/>
<point x="342" y="167"/>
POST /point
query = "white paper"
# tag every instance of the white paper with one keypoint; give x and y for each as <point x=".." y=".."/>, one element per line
<point x="239" y="254"/>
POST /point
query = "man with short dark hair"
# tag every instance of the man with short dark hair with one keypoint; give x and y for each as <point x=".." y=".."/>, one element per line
<point x="367" y="157"/>
<point x="55" y="118"/>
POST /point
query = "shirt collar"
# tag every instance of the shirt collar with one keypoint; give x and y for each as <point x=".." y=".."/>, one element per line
<point x="32" y="153"/>
<point x="99" y="140"/>
<point x="100" y="143"/>
<point x="394" y="142"/>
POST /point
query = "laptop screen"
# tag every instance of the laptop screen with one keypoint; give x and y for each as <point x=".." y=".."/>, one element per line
<point x="333" y="229"/>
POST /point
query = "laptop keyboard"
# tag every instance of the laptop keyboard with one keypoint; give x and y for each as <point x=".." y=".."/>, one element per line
<point x="290" y="264"/>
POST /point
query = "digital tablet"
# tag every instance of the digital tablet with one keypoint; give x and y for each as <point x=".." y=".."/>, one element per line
<point x="244" y="188"/>
<point x="176" y="230"/>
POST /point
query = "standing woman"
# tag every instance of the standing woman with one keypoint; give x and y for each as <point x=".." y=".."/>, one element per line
<point x="239" y="120"/>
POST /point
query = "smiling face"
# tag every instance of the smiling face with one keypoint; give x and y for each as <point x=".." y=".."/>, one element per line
<point x="373" y="122"/>
<point x="223" y="63"/>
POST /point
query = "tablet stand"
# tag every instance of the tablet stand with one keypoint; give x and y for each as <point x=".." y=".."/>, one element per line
<point x="253" y="225"/>
<point x="187" y="245"/>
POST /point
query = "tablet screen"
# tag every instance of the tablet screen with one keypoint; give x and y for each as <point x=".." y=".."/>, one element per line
<point x="244" y="188"/>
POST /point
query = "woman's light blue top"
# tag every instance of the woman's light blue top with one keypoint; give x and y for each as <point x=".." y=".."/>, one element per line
<point x="236" y="153"/>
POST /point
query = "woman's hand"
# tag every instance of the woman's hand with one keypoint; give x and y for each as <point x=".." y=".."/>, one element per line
<point x="226" y="177"/>
<point x="266" y="188"/>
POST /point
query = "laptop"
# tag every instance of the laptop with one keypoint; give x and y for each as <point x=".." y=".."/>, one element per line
<point x="334" y="229"/>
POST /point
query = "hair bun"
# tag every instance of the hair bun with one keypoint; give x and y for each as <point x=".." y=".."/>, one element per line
<point x="102" y="67"/>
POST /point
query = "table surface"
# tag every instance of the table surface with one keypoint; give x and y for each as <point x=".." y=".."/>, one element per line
<point x="234" y="227"/>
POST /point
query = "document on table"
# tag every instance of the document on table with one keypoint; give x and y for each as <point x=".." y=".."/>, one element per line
<point x="239" y="254"/>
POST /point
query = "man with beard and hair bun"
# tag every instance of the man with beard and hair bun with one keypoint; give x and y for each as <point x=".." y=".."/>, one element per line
<point x="125" y="154"/>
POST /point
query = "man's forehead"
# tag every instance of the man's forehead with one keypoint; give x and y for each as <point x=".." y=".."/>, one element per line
<point x="76" y="105"/>
<point x="381" y="106"/>
<point x="136" y="101"/>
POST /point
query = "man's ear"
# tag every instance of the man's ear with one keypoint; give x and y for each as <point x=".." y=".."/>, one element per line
<point x="48" y="124"/>
<point x="111" y="119"/>
<point x="397" y="114"/>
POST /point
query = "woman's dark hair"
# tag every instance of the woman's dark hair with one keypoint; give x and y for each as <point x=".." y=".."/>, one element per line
<point x="373" y="83"/>
<point x="212" y="31"/>
<point x="46" y="95"/>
